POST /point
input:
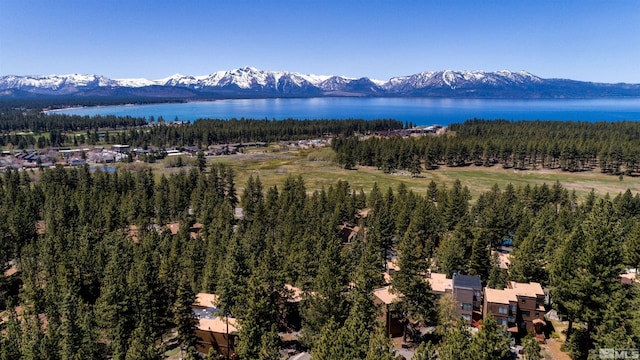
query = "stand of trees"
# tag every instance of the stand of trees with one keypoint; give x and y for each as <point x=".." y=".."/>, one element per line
<point x="611" y="147"/>
<point x="95" y="287"/>
<point x="23" y="129"/>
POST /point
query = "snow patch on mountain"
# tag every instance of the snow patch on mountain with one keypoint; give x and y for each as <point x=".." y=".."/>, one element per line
<point x="135" y="82"/>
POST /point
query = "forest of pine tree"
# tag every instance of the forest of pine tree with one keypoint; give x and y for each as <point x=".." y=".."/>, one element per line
<point x="609" y="147"/>
<point x="93" y="288"/>
<point x="101" y="276"/>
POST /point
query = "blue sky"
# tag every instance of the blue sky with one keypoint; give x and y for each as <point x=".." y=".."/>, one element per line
<point x="582" y="40"/>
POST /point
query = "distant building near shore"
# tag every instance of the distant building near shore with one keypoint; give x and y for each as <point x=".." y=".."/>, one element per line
<point x="121" y="148"/>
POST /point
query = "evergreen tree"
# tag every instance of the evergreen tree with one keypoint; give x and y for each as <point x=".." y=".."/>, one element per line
<point x="455" y="343"/>
<point x="450" y="255"/>
<point x="615" y="330"/>
<point x="594" y="264"/>
<point x="233" y="278"/>
<point x="480" y="260"/>
<point x="184" y="318"/>
<point x="632" y="247"/>
<point x="416" y="298"/>
<point x="528" y="260"/>
<point x="260" y="314"/>
<point x="33" y="338"/>
<point x="141" y="345"/>
<point x="270" y="345"/>
<point x="327" y="301"/>
<point x="492" y="342"/>
<point x="497" y="276"/>
<point x="10" y="341"/>
<point x="252" y="198"/>
<point x="329" y="346"/>
<point x="415" y="168"/>
<point x="71" y="332"/>
<point x="356" y="331"/>
<point x="201" y="161"/>
<point x="380" y="345"/>
<point x="425" y="351"/>
<point x="446" y="313"/>
<point x="562" y="277"/>
<point x="91" y="347"/>
<point x="457" y="205"/>
<point x="114" y="306"/>
<point x="432" y="191"/>
<point x="531" y="348"/>
<point x="527" y="263"/>
<point x="212" y="355"/>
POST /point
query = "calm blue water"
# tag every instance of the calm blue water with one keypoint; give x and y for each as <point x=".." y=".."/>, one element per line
<point x="109" y="169"/>
<point x="416" y="110"/>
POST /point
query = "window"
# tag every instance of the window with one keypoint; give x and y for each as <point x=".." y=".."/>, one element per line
<point x="511" y="319"/>
<point x="466" y="306"/>
<point x="513" y="308"/>
<point x="466" y="317"/>
<point x="525" y="313"/>
<point x="501" y="321"/>
<point x="524" y="301"/>
<point x="476" y="293"/>
<point x="502" y="310"/>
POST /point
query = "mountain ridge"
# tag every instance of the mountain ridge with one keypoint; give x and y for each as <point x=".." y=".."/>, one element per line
<point x="252" y="82"/>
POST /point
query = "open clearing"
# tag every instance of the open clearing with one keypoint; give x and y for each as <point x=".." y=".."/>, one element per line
<point x="274" y="167"/>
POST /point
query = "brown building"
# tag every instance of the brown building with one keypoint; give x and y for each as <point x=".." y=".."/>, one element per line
<point x="520" y="307"/>
<point x="467" y="291"/>
<point x="214" y="330"/>
<point x="391" y="319"/>
<point x="503" y="304"/>
<point x="294" y="296"/>
<point x="530" y="305"/>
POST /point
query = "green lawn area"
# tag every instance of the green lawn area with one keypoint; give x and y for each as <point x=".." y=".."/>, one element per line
<point x="274" y="167"/>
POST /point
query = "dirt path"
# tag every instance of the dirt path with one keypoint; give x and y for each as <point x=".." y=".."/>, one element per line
<point x="551" y="350"/>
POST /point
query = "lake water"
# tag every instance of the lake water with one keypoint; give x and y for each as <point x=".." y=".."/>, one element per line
<point x="109" y="169"/>
<point x="420" y="111"/>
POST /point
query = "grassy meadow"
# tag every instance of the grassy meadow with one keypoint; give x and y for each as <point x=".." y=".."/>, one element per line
<point x="319" y="170"/>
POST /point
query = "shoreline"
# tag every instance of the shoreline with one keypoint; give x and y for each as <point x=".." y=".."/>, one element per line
<point x="80" y="107"/>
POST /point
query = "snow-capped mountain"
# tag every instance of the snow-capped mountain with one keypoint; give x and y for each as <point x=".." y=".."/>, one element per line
<point x="62" y="84"/>
<point x="251" y="82"/>
<point x="459" y="79"/>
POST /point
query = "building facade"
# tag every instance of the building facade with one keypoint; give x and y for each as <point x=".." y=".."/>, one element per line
<point x="519" y="307"/>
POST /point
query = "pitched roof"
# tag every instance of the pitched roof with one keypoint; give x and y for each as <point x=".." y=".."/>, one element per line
<point x="500" y="296"/>
<point x="206" y="299"/>
<point x="439" y="282"/>
<point x="174" y="227"/>
<point x="531" y="289"/>
<point x="12" y="270"/>
<point x="466" y="281"/>
<point x="385" y="295"/>
<point x="629" y="277"/>
<point x="364" y="212"/>
<point x="218" y="324"/>
<point x="296" y="293"/>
